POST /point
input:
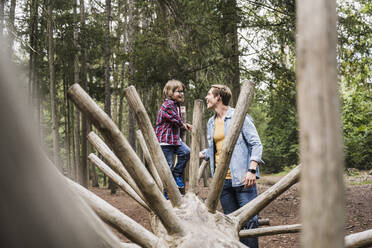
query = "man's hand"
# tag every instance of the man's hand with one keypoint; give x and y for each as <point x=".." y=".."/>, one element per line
<point x="249" y="179"/>
<point x="201" y="155"/>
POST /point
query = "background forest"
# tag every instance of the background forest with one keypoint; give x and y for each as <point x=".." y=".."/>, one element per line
<point x="108" y="45"/>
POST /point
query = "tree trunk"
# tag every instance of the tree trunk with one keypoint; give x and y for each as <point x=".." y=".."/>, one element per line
<point x="11" y="24"/>
<point x="229" y="29"/>
<point x="84" y="85"/>
<point x="53" y="92"/>
<point x="321" y="146"/>
<point x="2" y="2"/>
<point x="67" y="132"/>
<point x="112" y="185"/>
<point x="131" y="121"/>
<point x="77" y="114"/>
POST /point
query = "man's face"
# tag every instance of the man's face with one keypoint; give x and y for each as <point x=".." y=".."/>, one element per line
<point x="211" y="100"/>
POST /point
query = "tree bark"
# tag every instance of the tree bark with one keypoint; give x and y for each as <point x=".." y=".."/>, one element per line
<point x="84" y="85"/>
<point x="112" y="186"/>
<point x="11" y="24"/>
<point x="229" y="142"/>
<point x="272" y="230"/>
<point x="131" y="120"/>
<point x="53" y="93"/>
<point x="195" y="145"/>
<point x="321" y="146"/>
<point x="156" y="153"/>
<point x="126" y="154"/>
<point x="229" y="29"/>
<point x="77" y="113"/>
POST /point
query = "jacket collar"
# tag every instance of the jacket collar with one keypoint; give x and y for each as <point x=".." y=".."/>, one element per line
<point x="229" y="113"/>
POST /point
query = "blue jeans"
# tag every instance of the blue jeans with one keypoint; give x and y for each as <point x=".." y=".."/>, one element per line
<point x="233" y="198"/>
<point x="183" y="155"/>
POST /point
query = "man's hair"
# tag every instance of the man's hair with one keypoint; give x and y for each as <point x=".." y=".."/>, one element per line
<point x="170" y="87"/>
<point x="223" y="91"/>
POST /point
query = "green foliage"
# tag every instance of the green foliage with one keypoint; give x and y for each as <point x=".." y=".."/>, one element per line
<point x="355" y="60"/>
<point x="193" y="41"/>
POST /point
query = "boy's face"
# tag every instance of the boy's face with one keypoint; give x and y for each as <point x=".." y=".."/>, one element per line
<point x="178" y="95"/>
<point x="211" y="99"/>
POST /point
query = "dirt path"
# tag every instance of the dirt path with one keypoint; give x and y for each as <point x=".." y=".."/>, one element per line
<point x="284" y="210"/>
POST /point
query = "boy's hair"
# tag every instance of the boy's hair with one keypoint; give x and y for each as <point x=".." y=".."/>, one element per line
<point x="170" y="87"/>
<point x="223" y="91"/>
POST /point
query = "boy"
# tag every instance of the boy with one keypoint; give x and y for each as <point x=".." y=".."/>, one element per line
<point x="168" y="128"/>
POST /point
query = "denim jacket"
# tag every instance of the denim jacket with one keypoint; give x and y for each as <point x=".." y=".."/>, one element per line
<point x="248" y="147"/>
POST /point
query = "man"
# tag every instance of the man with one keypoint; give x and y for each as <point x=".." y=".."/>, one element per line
<point x="240" y="183"/>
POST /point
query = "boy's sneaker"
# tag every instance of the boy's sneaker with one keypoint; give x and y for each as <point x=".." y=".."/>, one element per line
<point x="179" y="182"/>
<point x="166" y="195"/>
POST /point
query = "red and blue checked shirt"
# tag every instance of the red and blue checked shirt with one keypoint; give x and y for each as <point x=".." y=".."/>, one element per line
<point x="168" y="123"/>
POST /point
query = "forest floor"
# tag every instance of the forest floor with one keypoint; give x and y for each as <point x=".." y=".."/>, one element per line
<point x="282" y="211"/>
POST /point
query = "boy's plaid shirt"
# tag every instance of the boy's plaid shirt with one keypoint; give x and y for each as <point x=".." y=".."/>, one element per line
<point x="169" y="123"/>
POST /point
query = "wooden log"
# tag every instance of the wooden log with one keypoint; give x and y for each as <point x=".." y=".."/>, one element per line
<point x="120" y="145"/>
<point x="202" y="168"/>
<point x="112" y="216"/>
<point x="149" y="160"/>
<point x="249" y="210"/>
<point x="129" y="245"/>
<point x="321" y="146"/>
<point x="263" y="222"/>
<point x="272" y="230"/>
<point x="117" y="179"/>
<point x="152" y="143"/>
<point x="113" y="161"/>
<point x="228" y="145"/>
<point x="361" y="239"/>
<point x="195" y="145"/>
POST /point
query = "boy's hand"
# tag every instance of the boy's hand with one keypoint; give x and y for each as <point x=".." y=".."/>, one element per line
<point x="187" y="126"/>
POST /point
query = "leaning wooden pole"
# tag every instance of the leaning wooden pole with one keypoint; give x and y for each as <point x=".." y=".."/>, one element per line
<point x="361" y="239"/>
<point x="272" y="230"/>
<point x="321" y="146"/>
<point x="117" y="179"/>
<point x="112" y="216"/>
<point x="229" y="142"/>
<point x="195" y="145"/>
<point x="113" y="161"/>
<point x="202" y="168"/>
<point x="249" y="210"/>
<point x="150" y="162"/>
<point x="152" y="142"/>
<point x="120" y="145"/>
